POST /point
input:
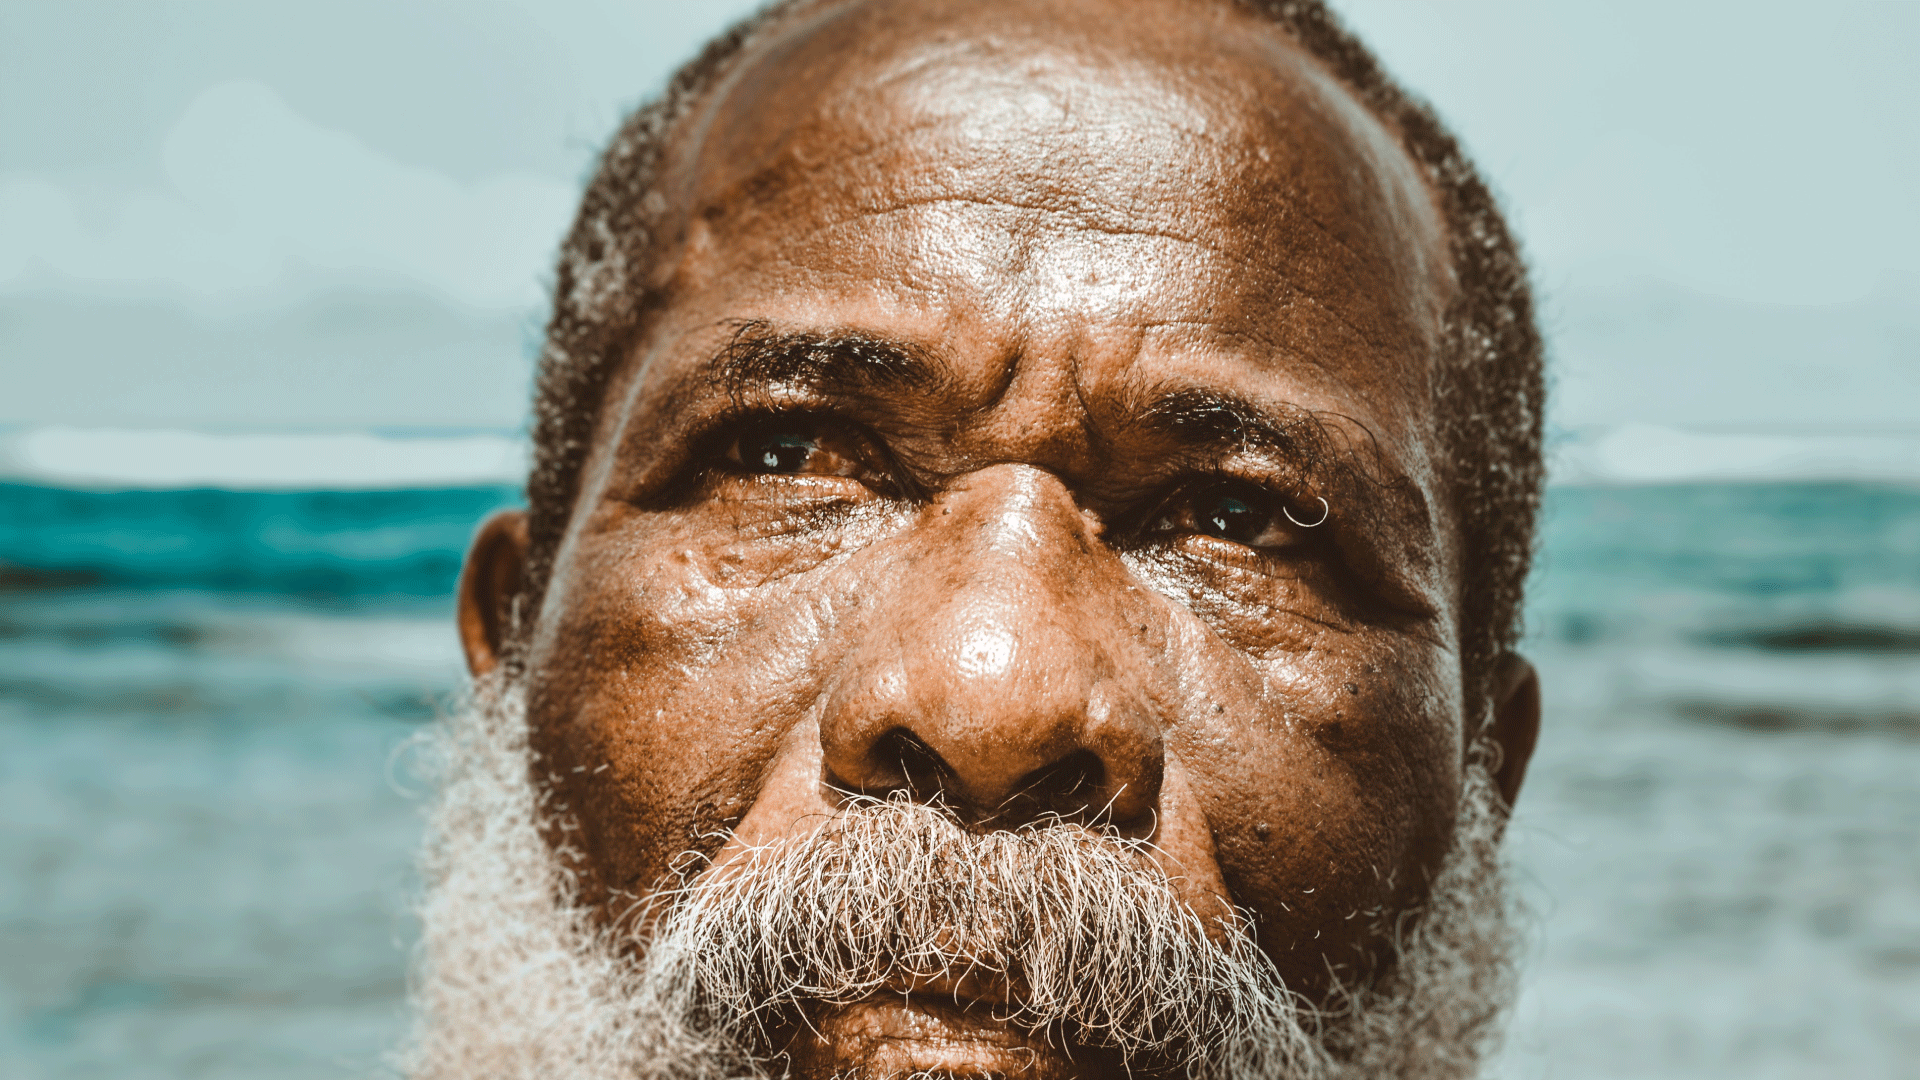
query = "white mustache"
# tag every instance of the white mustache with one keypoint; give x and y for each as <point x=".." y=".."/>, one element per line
<point x="1083" y="933"/>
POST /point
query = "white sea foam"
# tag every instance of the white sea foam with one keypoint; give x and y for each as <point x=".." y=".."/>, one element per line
<point x="160" y="459"/>
<point x="131" y="459"/>
<point x="1646" y="454"/>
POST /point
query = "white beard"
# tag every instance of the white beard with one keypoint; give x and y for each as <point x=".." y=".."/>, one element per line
<point x="514" y="980"/>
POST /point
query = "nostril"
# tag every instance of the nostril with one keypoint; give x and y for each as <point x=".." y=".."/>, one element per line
<point x="1069" y="787"/>
<point x="906" y="761"/>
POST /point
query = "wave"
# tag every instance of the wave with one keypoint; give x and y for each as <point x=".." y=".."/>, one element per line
<point x="342" y="544"/>
<point x="123" y="460"/>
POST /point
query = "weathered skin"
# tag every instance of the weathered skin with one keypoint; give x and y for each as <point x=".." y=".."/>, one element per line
<point x="1070" y="214"/>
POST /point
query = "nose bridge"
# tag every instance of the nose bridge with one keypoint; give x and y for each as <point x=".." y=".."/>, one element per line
<point x="1009" y="632"/>
<point x="1017" y="512"/>
<point x="1008" y="684"/>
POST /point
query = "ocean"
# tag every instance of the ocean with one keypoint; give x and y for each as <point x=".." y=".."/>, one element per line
<point x="206" y="819"/>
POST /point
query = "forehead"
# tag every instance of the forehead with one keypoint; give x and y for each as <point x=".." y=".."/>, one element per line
<point x="1163" y="178"/>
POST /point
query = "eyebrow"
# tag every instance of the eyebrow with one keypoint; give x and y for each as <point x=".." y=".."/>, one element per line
<point x="758" y="361"/>
<point x="1221" y="421"/>
<point x="1364" y="487"/>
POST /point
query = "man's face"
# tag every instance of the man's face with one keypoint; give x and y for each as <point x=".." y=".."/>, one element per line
<point x="1038" y="423"/>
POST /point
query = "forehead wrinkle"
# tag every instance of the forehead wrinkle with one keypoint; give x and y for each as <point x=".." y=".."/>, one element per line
<point x="1289" y="105"/>
<point x="924" y="77"/>
<point x="845" y="193"/>
<point x="1181" y="109"/>
<point x="869" y="173"/>
<point x="1012" y="240"/>
<point x="868" y="181"/>
<point x="861" y="185"/>
<point x="1027" y="241"/>
<point x="844" y="57"/>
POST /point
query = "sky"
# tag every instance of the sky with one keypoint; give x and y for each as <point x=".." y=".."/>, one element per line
<point x="232" y="216"/>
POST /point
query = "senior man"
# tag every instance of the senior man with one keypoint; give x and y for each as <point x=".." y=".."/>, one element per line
<point x="1022" y="564"/>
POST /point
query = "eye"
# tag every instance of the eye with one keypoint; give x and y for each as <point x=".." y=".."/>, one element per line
<point x="797" y="446"/>
<point x="1234" y="511"/>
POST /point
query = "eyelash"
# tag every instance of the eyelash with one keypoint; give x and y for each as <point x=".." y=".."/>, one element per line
<point x="1262" y="510"/>
<point x="869" y="454"/>
<point x="724" y="451"/>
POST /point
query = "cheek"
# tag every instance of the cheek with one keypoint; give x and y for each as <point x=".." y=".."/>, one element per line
<point x="661" y="689"/>
<point x="1330" y="781"/>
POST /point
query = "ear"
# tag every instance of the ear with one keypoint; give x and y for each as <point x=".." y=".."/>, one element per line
<point x="1516" y="721"/>
<point x="489" y="585"/>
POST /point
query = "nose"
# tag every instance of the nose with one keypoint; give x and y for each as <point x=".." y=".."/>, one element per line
<point x="999" y="675"/>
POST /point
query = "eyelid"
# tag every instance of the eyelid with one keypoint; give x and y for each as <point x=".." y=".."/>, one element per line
<point x="1285" y="496"/>
<point x="1362" y="555"/>
<point x="876" y="466"/>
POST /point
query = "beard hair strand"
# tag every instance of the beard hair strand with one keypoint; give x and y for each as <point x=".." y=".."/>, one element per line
<point x="514" y="978"/>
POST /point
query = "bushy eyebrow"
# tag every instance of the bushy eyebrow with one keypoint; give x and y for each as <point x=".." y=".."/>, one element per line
<point x="1223" y="422"/>
<point x="758" y="360"/>
<point x="1343" y="463"/>
<point x="1377" y="506"/>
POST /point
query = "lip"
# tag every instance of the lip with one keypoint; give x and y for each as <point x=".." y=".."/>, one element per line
<point x="984" y="990"/>
<point x="900" y="1034"/>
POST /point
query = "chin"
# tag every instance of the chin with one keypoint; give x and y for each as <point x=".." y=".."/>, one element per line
<point x="896" y="1035"/>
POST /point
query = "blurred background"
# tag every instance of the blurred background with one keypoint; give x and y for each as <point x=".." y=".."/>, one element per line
<point x="271" y="278"/>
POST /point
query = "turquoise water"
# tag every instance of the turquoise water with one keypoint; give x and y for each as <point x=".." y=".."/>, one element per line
<point x="204" y="842"/>
<point x="1721" y="831"/>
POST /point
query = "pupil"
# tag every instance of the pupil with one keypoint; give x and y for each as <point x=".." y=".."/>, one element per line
<point x="1231" y="517"/>
<point x="783" y="452"/>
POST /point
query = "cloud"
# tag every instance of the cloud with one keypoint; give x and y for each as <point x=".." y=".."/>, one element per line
<point x="386" y="357"/>
<point x="1637" y="348"/>
<point x="1649" y="454"/>
<point x="1701" y="221"/>
<point x="109" y="459"/>
<point x="258" y="198"/>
